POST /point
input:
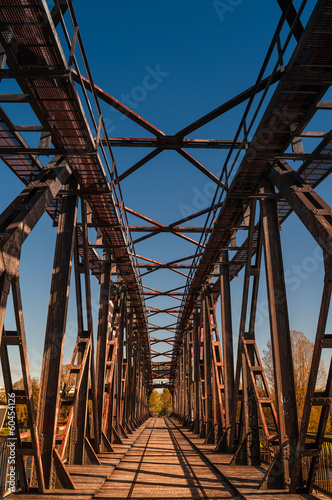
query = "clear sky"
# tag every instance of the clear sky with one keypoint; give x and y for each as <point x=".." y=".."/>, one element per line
<point x="171" y="62"/>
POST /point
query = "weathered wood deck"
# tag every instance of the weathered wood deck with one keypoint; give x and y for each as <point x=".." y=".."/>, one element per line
<point x="157" y="462"/>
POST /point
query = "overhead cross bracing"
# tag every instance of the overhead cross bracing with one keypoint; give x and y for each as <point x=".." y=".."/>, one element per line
<point x="46" y="57"/>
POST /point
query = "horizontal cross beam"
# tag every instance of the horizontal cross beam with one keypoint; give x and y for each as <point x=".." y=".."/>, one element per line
<point x="171" y="142"/>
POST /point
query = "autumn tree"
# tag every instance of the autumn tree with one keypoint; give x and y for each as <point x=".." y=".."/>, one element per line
<point x="160" y="404"/>
<point x="302" y="349"/>
<point x="154" y="403"/>
<point x="3" y="399"/>
<point x="166" y="403"/>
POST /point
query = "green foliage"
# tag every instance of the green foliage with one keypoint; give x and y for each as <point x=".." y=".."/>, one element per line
<point x="160" y="404"/>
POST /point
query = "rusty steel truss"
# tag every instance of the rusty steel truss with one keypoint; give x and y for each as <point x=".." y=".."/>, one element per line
<point x="103" y="395"/>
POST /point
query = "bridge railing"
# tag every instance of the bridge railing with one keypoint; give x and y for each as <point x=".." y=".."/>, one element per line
<point x="4" y="466"/>
<point x="323" y="481"/>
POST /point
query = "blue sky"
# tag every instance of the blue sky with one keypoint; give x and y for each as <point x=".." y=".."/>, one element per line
<point x="172" y="62"/>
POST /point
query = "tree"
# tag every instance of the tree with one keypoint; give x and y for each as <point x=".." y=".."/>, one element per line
<point x="302" y="349"/>
<point x="160" y="404"/>
<point x="166" y="403"/>
<point x="154" y="403"/>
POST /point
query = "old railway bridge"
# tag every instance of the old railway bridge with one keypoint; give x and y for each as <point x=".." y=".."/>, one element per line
<point x="228" y="436"/>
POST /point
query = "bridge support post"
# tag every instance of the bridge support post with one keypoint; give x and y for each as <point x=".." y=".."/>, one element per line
<point x="186" y="379"/>
<point x="128" y="379"/>
<point x="80" y="449"/>
<point x="207" y="353"/>
<point x="247" y="438"/>
<point x="102" y="338"/>
<point x="133" y="387"/>
<point x="135" y="393"/>
<point x="119" y="370"/>
<point x="280" y="472"/>
<point x="196" y="356"/>
<point x="140" y="383"/>
<point x="55" y="333"/>
<point x="190" y="378"/>
<point x="227" y="342"/>
<point x="181" y="383"/>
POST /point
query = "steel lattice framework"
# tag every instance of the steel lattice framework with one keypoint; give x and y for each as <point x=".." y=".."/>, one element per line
<point x="80" y="188"/>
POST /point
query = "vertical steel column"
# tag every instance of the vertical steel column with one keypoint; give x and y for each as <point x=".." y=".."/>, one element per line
<point x="87" y="282"/>
<point x="186" y="409"/>
<point x="119" y="370"/>
<point x="137" y="355"/>
<point x="140" y="381"/>
<point x="55" y="333"/>
<point x="248" y="446"/>
<point x="190" y="377"/>
<point x="78" y="430"/>
<point x="196" y="355"/>
<point x="208" y="417"/>
<point x="250" y="407"/>
<point x="202" y="428"/>
<point x="227" y="342"/>
<point x="133" y="387"/>
<point x="281" y="342"/>
<point x="80" y="449"/>
<point x="102" y="338"/>
<point x="184" y="378"/>
<point x="128" y="379"/>
<point x="181" y="383"/>
<point x="111" y="364"/>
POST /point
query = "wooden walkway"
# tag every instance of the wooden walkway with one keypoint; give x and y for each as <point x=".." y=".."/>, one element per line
<point x="161" y="461"/>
